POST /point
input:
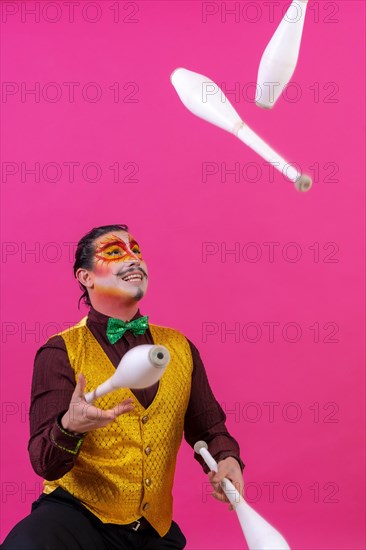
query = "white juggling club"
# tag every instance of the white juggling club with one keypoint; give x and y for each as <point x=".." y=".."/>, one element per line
<point x="206" y="100"/>
<point x="279" y="59"/>
<point x="141" y="367"/>
<point x="259" y="534"/>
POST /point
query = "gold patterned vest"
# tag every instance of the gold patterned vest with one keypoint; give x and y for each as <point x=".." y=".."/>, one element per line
<point x="126" y="469"/>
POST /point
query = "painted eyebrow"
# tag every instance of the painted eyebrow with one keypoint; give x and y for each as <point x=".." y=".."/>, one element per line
<point x="117" y="241"/>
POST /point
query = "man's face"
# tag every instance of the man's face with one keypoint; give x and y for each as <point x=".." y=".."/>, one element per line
<point x="119" y="270"/>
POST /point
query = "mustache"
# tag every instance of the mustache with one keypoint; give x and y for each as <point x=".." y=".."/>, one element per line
<point x="125" y="272"/>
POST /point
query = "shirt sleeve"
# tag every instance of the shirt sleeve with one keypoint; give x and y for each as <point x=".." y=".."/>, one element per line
<point x="205" y="418"/>
<point x="52" y="449"/>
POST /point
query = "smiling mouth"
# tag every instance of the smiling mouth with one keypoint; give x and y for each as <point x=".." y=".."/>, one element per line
<point x="133" y="278"/>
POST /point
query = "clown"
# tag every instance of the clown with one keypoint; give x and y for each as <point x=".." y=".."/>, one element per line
<point x="108" y="468"/>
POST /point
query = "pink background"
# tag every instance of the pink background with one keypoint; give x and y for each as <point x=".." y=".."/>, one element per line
<point x="295" y="400"/>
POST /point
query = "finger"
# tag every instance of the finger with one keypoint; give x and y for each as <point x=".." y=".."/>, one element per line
<point x="230" y="493"/>
<point x="238" y="484"/>
<point x="215" y="486"/>
<point x="111" y="414"/>
<point x="80" y="386"/>
<point x="219" y="491"/>
<point x="219" y="476"/>
<point x="236" y="480"/>
<point x="230" y="469"/>
<point x="214" y="478"/>
<point x="90" y="412"/>
<point x="223" y="494"/>
<point x="127" y="401"/>
<point x="211" y="475"/>
<point x="220" y="497"/>
<point x="124" y="407"/>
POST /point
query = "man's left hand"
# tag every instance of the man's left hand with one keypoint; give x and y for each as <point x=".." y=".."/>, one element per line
<point x="229" y="468"/>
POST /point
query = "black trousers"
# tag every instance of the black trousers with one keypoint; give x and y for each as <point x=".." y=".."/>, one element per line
<point x="59" y="522"/>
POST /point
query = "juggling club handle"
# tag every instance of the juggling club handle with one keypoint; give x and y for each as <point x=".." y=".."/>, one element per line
<point x="228" y="487"/>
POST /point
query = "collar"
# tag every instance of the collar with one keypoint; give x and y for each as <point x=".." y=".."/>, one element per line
<point x="95" y="316"/>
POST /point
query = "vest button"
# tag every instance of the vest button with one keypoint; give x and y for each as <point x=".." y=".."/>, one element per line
<point x="148" y="481"/>
<point x="144" y="419"/>
<point x="147" y="451"/>
<point x="146" y="506"/>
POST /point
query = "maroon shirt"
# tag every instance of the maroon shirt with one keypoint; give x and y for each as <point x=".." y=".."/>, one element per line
<point x="53" y="451"/>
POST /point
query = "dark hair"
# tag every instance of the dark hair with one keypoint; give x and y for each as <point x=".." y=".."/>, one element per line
<point x="85" y="251"/>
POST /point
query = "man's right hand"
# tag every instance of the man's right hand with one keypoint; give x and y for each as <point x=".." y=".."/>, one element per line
<point x="82" y="417"/>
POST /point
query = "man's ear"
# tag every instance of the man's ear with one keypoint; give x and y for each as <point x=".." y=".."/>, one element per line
<point x="85" y="277"/>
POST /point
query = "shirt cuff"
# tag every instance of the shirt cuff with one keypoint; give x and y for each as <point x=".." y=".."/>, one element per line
<point x="223" y="455"/>
<point x="67" y="441"/>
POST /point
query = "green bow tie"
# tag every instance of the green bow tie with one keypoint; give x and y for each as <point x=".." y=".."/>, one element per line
<point x="116" y="328"/>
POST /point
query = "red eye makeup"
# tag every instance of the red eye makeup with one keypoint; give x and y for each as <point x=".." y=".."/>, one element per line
<point x="114" y="249"/>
